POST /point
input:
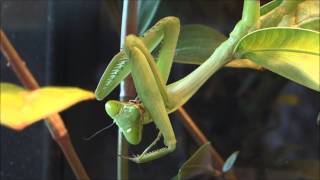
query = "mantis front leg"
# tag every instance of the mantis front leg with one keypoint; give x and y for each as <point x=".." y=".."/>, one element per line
<point x="148" y="83"/>
<point x="149" y="78"/>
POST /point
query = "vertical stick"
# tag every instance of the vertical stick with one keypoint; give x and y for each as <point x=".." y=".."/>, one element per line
<point x="127" y="90"/>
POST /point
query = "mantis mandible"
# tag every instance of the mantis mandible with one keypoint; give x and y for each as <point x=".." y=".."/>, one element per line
<point x="150" y="78"/>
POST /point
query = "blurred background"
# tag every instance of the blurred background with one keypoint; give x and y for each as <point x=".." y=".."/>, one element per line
<point x="270" y="120"/>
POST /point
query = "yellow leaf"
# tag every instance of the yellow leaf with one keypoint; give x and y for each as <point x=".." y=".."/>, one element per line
<point x="20" y="107"/>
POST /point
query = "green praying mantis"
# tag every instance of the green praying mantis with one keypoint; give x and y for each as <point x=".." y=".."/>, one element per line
<point x="155" y="98"/>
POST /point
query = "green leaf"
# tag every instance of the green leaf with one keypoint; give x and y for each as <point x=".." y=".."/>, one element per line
<point x="307" y="14"/>
<point x="269" y="6"/>
<point x="147" y="10"/>
<point x="313" y="24"/>
<point x="289" y="52"/>
<point x="20" y="107"/>
<point x="196" y="43"/>
<point x="199" y="163"/>
<point x="289" y="13"/>
<point x="230" y="162"/>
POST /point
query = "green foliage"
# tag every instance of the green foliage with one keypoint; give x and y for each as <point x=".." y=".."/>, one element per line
<point x="196" y="43"/>
<point x="199" y="163"/>
<point x="289" y="52"/>
<point x="288" y="13"/>
<point x="147" y="10"/>
<point x="20" y="107"/>
<point x="307" y="15"/>
<point x="269" y="6"/>
<point x="313" y="24"/>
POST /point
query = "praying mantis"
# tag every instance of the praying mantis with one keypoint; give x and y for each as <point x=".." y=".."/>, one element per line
<point x="155" y="98"/>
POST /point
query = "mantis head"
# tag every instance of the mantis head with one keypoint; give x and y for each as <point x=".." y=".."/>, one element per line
<point x="128" y="117"/>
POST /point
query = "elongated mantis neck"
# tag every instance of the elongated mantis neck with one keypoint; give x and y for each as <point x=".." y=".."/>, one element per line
<point x="182" y="90"/>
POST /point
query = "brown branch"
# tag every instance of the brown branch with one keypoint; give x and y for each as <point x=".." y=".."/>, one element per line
<point x="201" y="139"/>
<point x="54" y="122"/>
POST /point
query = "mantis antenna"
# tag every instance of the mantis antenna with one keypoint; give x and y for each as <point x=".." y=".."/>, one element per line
<point x="98" y="132"/>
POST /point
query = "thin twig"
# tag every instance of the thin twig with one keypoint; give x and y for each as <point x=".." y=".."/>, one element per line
<point x="127" y="90"/>
<point x="201" y="139"/>
<point x="54" y="122"/>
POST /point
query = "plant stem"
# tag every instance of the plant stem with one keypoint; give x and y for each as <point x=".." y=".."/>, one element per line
<point x="127" y="90"/>
<point x="54" y="122"/>
<point x="201" y="139"/>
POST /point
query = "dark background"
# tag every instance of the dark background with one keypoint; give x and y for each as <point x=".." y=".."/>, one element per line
<point x="69" y="43"/>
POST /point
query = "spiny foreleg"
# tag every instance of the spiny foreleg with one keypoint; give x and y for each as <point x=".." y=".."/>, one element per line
<point x="148" y="89"/>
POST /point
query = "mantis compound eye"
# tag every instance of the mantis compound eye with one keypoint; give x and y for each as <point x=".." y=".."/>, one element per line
<point x="128" y="118"/>
<point x="113" y="108"/>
